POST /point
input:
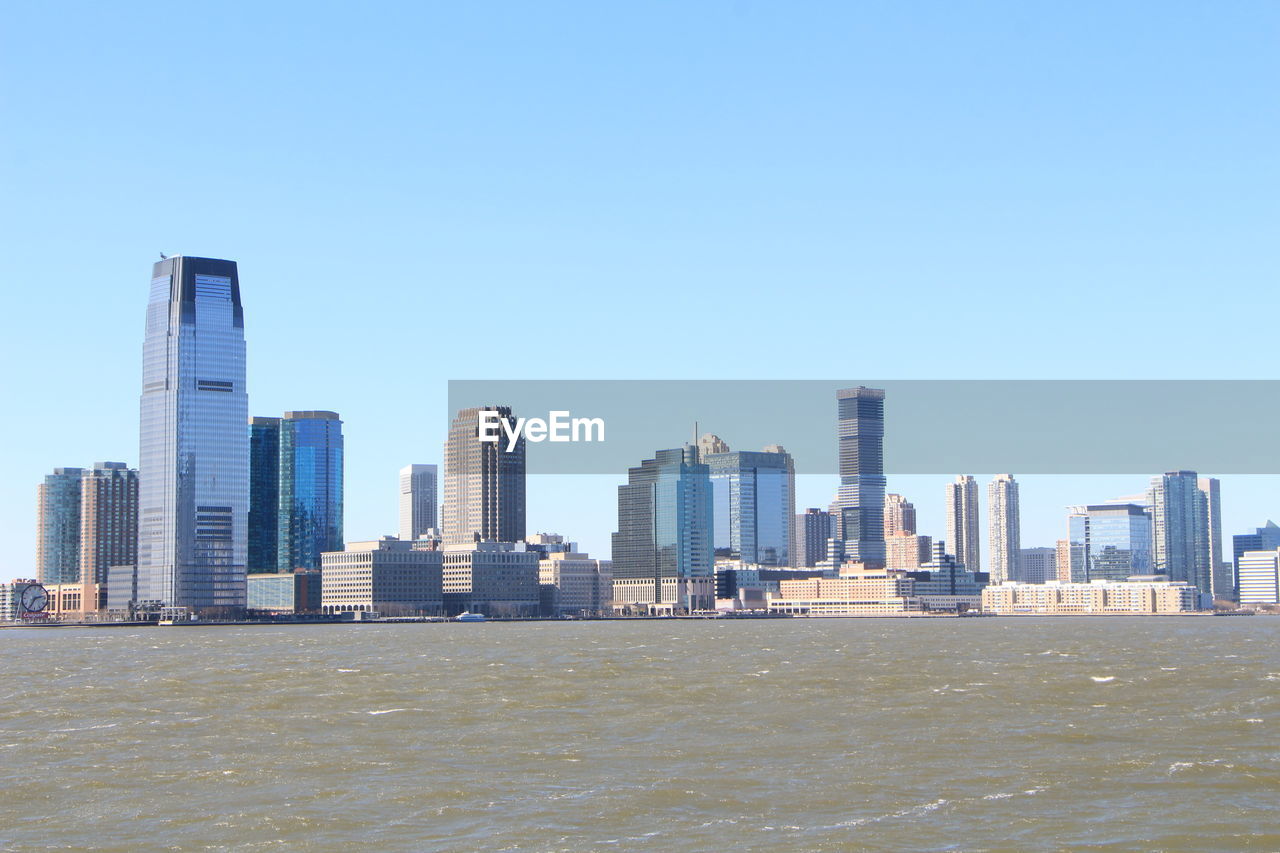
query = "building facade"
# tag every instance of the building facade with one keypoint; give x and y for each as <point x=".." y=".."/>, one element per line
<point x="193" y="471"/>
<point x="311" y="488"/>
<point x="384" y="576"/>
<point x="907" y="552"/>
<point x="484" y="483"/>
<point x="813" y="529"/>
<point x="418" y="500"/>
<point x="264" y="494"/>
<point x="753" y="497"/>
<point x="58" y="526"/>
<point x="498" y="579"/>
<point x="962" y="521"/>
<point x="285" y="592"/>
<point x="1037" y="565"/>
<point x="899" y="516"/>
<point x="1004" y="525"/>
<point x="860" y="436"/>
<point x="1109" y="542"/>
<point x="570" y="582"/>
<point x="1260" y="577"/>
<point x="1180" y="529"/>
<point x="1265" y="538"/>
<point x="1098" y="597"/>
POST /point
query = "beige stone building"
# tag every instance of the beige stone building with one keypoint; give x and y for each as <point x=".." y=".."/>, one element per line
<point x="1099" y="597"/>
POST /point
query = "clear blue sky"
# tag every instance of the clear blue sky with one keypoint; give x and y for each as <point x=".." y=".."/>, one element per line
<point x="417" y="192"/>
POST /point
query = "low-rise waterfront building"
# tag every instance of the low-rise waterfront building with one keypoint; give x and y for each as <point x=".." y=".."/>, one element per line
<point x="856" y="592"/>
<point x="493" y="578"/>
<point x="1259" y="577"/>
<point x="285" y="592"/>
<point x="570" y="582"/>
<point x="386" y="576"/>
<point x="1103" y="597"/>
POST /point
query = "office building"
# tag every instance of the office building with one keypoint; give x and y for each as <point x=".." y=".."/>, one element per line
<point x="570" y="582"/>
<point x="1003" y="528"/>
<point x="1109" y="542"/>
<point x="662" y="550"/>
<point x="907" y="552"/>
<point x="108" y="527"/>
<point x="962" y="521"/>
<point x="1265" y="538"/>
<point x="1098" y="597"/>
<point x="484" y="482"/>
<point x="311" y="484"/>
<point x="385" y="576"/>
<point x="1180" y="534"/>
<point x="285" y="592"/>
<point x="1260" y="577"/>
<point x="1037" y="565"/>
<point x="193" y="472"/>
<point x="899" y="516"/>
<point x="1221" y="573"/>
<point x="860" y="592"/>
<point x="753" y="496"/>
<point x="494" y="578"/>
<point x="812" y="530"/>
<point x="418" y="502"/>
<point x="264" y="494"/>
<point x="860" y="432"/>
<point x="58" y="526"/>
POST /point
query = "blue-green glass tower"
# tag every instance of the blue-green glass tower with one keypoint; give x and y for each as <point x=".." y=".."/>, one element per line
<point x="264" y="494"/>
<point x="310" y="488"/>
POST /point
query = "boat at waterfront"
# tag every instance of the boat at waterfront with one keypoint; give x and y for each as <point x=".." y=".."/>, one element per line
<point x="468" y="616"/>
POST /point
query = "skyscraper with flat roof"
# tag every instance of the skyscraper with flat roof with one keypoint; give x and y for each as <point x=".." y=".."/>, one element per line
<point x="58" y="526"/>
<point x="1004" y="526"/>
<point x="754" y="503"/>
<point x="962" y="521"/>
<point x="899" y="516"/>
<point x="418" y="501"/>
<point x="108" y="520"/>
<point x="1109" y="542"/>
<point x="264" y="494"/>
<point x="860" y="431"/>
<point x="193" y="471"/>
<point x="311" y="484"/>
<point x="484" y="482"/>
<point x="813" y="529"/>
<point x="1180" y="520"/>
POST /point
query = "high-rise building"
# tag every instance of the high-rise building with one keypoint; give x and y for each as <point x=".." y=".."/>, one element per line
<point x="907" y="552"/>
<point x="1262" y="539"/>
<point x="264" y="494"/>
<point x="1221" y="573"/>
<point x="484" y="482"/>
<point x="754" y="505"/>
<point x="311" y="464"/>
<point x="58" y="526"/>
<point x="860" y="430"/>
<point x="662" y="552"/>
<point x="962" y="521"/>
<point x="108" y="522"/>
<point x="899" y="516"/>
<point x="418" y="489"/>
<point x="1109" y="542"/>
<point x="1062" y="549"/>
<point x="813" y="529"/>
<point x="193" y="472"/>
<point x="1003" y="528"/>
<point x="1180" y="535"/>
<point x="1037" y="565"/>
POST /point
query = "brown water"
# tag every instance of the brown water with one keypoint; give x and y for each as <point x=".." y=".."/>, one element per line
<point x="973" y="734"/>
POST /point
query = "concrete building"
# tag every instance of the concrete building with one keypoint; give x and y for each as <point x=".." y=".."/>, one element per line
<point x="860" y="499"/>
<point x="943" y="584"/>
<point x="418" y="500"/>
<point x="285" y="592"/>
<point x="1004" y="526"/>
<point x="907" y="552"/>
<point x="484" y="482"/>
<point x="962" y="522"/>
<point x="570" y="582"/>
<point x="1260" y="577"/>
<point x="899" y="516"/>
<point x="193" y="467"/>
<point x="1098" y="597"/>
<point x="862" y="592"/>
<point x="813" y="529"/>
<point x="1037" y="565"/>
<point x="108" y="522"/>
<point x="494" y="578"/>
<point x="386" y="576"/>
<point x="1266" y="538"/>
<point x="1063" y="549"/>
<point x="58" y="526"/>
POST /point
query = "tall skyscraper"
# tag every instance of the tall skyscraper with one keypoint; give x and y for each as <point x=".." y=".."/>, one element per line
<point x="1003" y="528"/>
<point x="193" y="472"/>
<point x="662" y="551"/>
<point x="1109" y="542"/>
<point x="58" y="526"/>
<point x="108" y="520"/>
<point x="754" y="504"/>
<point x="860" y="413"/>
<point x="264" y="494"/>
<point x="311" y="483"/>
<point x="418" y="491"/>
<point x="1180" y="520"/>
<point x="484" y="485"/>
<point x="813" y="529"/>
<point x="962" y="521"/>
<point x="899" y="516"/>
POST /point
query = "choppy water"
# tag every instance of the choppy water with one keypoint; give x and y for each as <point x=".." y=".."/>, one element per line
<point x="977" y="734"/>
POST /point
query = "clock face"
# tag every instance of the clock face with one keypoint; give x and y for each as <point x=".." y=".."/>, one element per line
<point x="34" y="598"/>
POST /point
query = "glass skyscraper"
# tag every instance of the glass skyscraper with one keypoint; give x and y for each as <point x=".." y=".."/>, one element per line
<point x="860" y="413"/>
<point x="193" y="490"/>
<point x="1180" y="529"/>
<point x="310" y="488"/>
<point x="753" y="493"/>
<point x="1109" y="542"/>
<point x="264" y="494"/>
<point x="58" y="526"/>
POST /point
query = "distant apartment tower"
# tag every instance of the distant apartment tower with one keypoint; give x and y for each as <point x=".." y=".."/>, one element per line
<point x="899" y="516"/>
<point x="1109" y="542"/>
<point x="1221" y="574"/>
<point x="962" y="521"/>
<point x="813" y="529"/>
<point x="484" y="483"/>
<point x="1037" y="565"/>
<point x="1180" y="536"/>
<point x="907" y="552"/>
<point x="753" y="496"/>
<point x="860" y="433"/>
<point x="662" y="551"/>
<point x="193" y="471"/>
<point x="264" y="494"/>
<point x="311" y="488"/>
<point x="108" y="520"/>
<point x="418" y="489"/>
<point x="1266" y="538"/>
<point x="1003" y="528"/>
<point x="58" y="526"/>
<point x="1062" y="547"/>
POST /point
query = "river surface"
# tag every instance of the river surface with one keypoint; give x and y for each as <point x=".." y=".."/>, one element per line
<point x="840" y="734"/>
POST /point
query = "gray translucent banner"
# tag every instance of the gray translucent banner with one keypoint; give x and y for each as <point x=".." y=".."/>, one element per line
<point x="930" y="426"/>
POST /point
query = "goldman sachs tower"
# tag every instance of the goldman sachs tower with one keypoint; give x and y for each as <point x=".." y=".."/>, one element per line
<point x="193" y="472"/>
